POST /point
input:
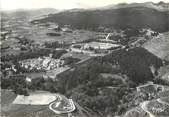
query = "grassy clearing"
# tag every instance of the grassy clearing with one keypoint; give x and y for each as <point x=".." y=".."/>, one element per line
<point x="33" y="75"/>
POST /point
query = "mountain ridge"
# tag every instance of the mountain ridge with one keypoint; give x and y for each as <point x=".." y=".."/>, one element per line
<point x="122" y="18"/>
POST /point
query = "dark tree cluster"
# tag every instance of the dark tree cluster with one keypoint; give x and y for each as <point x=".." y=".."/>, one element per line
<point x="34" y="54"/>
<point x="55" y="44"/>
<point x="17" y="83"/>
<point x="135" y="63"/>
<point x="53" y="34"/>
<point x="70" y="60"/>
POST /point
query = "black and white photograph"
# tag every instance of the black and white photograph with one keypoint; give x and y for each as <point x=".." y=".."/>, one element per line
<point x="84" y="58"/>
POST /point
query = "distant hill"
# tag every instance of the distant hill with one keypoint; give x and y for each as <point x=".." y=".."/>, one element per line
<point x="122" y="17"/>
<point x="161" y="6"/>
<point x="34" y="13"/>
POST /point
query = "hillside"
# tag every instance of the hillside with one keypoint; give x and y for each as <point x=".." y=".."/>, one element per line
<point x="159" y="46"/>
<point x="132" y="17"/>
<point x="90" y="88"/>
<point x="135" y="63"/>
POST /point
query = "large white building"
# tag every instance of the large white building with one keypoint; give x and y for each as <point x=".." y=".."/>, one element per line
<point x="100" y="45"/>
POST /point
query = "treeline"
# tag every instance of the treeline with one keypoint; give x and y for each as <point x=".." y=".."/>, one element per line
<point x="33" y="54"/>
<point x="17" y="83"/>
<point x="70" y="60"/>
<point x="56" y="44"/>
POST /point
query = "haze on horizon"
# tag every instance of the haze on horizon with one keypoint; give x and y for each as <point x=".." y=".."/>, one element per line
<point x="63" y="4"/>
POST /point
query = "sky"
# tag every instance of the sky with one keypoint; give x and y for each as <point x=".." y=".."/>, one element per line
<point x="63" y="4"/>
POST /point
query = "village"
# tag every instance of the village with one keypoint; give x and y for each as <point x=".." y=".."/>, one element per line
<point x="73" y="47"/>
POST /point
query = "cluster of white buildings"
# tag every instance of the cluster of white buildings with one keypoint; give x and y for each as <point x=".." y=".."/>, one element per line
<point x="45" y="63"/>
<point x="99" y="45"/>
<point x="102" y="45"/>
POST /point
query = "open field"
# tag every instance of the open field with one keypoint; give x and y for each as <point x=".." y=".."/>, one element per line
<point x="39" y="35"/>
<point x="159" y="46"/>
<point x="34" y="99"/>
<point x="113" y="76"/>
<point x="16" y="110"/>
